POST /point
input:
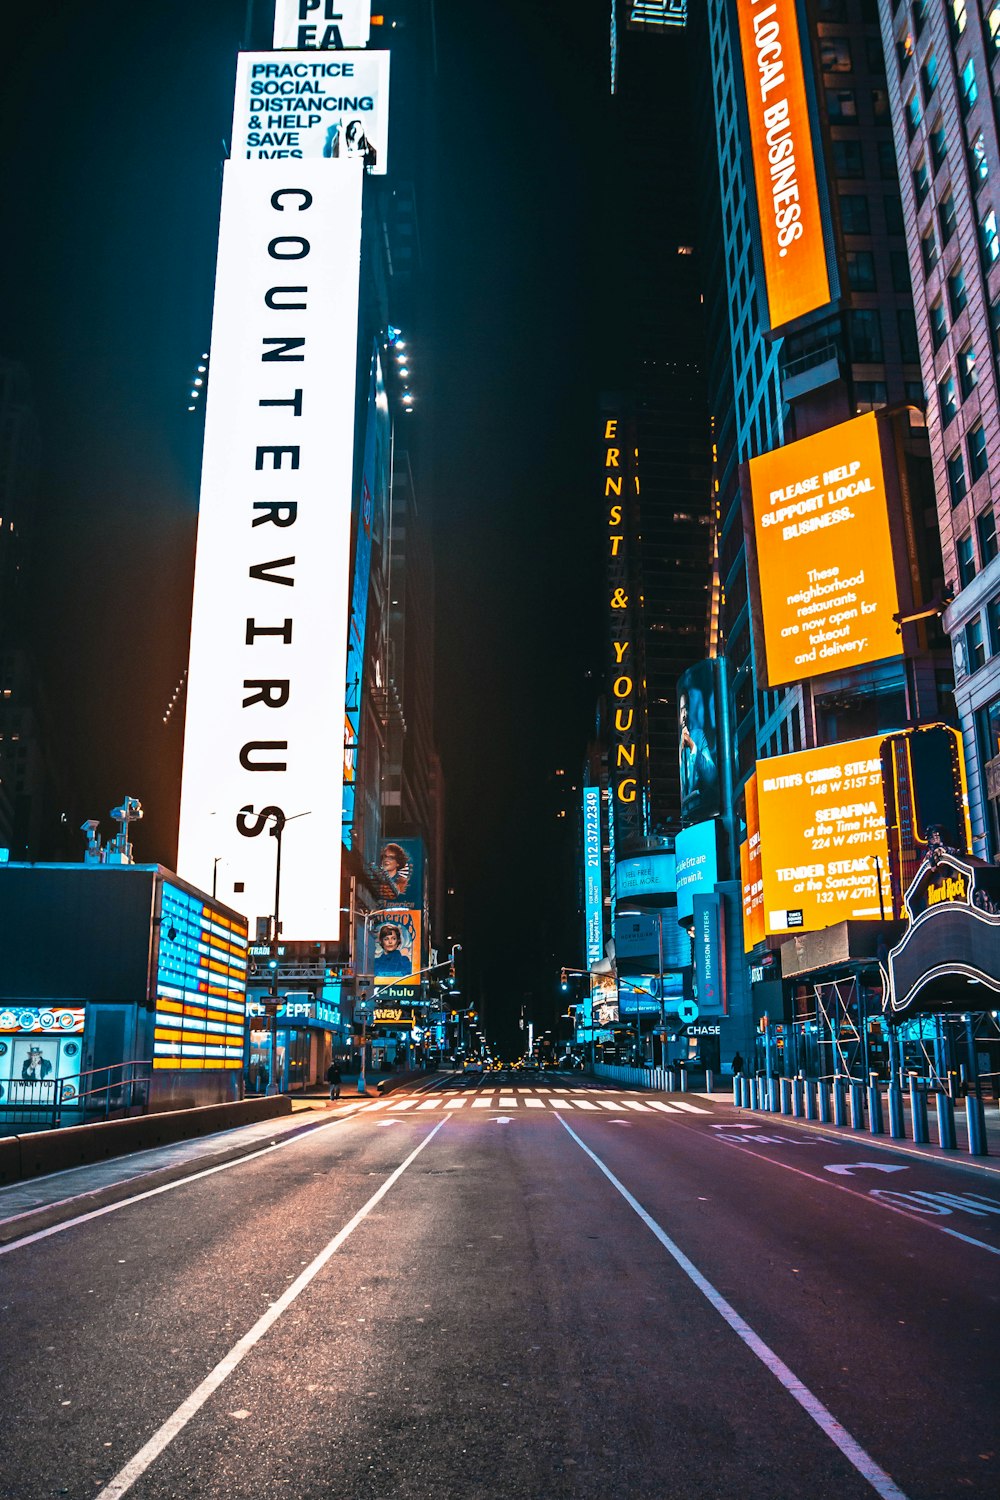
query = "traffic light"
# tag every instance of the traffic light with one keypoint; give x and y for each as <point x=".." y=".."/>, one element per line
<point x="762" y="1023"/>
<point x="564" y="981"/>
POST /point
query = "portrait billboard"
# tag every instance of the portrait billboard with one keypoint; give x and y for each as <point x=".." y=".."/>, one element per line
<point x="395" y="947"/>
<point x="783" y="153"/>
<point x="292" y="106"/>
<point x="825" y="573"/>
<point x="592" y="887"/>
<point x="698" y="743"/>
<point x="265" y="691"/>
<point x="697" y="865"/>
<point x="401" y="871"/>
<point x="323" y="24"/>
<point x="822" y="828"/>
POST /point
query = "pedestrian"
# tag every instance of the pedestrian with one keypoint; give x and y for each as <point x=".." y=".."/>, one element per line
<point x="737" y="1065"/>
<point x="333" y="1079"/>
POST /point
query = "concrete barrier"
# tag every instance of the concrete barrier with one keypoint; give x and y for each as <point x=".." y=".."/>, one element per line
<point x="81" y="1145"/>
<point x="10" y="1159"/>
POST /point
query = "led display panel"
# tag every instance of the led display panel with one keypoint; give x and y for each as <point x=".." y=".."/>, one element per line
<point x="201" y="981"/>
<point x="825" y="565"/>
<point x="750" y="871"/>
<point x="781" y="144"/>
<point x="322" y="23"/>
<point x="593" y="893"/>
<point x="295" y="105"/>
<point x="697" y="865"/>
<point x="266" y="687"/>
<point x="822" y="826"/>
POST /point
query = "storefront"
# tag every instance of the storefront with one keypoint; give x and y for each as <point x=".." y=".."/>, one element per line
<point x="308" y="1036"/>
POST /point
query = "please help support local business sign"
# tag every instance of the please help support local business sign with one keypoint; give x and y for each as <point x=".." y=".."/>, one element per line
<point x="322" y="23"/>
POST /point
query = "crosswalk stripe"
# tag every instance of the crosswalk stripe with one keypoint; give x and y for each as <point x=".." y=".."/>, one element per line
<point x="481" y="1103"/>
<point x="559" y="1104"/>
<point x="634" y="1104"/>
<point x="535" y="1103"/>
<point x="403" y="1104"/>
<point x="585" y="1104"/>
<point x="506" y="1102"/>
<point x="431" y="1104"/>
<point x="692" y="1109"/>
<point x="454" y="1104"/>
<point x="603" y="1104"/>
<point x="668" y="1109"/>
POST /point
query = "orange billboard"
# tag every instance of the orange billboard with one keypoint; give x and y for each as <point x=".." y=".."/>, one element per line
<point x="822" y="829"/>
<point x="826" y="576"/>
<point x="791" y="228"/>
<point x="750" y="871"/>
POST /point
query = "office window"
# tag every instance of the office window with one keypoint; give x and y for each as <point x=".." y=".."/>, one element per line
<point x="968" y="379"/>
<point x="887" y="161"/>
<point x="899" y="266"/>
<point x="904" y="49"/>
<point x="921" y="180"/>
<point x="967" y="85"/>
<point x="914" y="114"/>
<point x="979" y="167"/>
<point x="939" y="322"/>
<point x="913" y="393"/>
<point x="958" y="17"/>
<point x="947" y="217"/>
<point x="880" y="104"/>
<point x="939" y="144"/>
<point x="958" y="292"/>
<point x="993" y="27"/>
<point x="995" y="326"/>
<point x="986" y="526"/>
<point x="869" y="395"/>
<point x="848" y="160"/>
<point x="833" y="10"/>
<point x="919" y="16"/>
<point x="893" y="215"/>
<point x="908" y="346"/>
<point x="975" y="645"/>
<point x="989" y="238"/>
<point x="841" y="105"/>
<point x="929" y="249"/>
<point x="957" y="486"/>
<point x="854" y="215"/>
<point x="993" y="623"/>
<point x="835" y="54"/>
<point x="929" y="76"/>
<point x="947" y="399"/>
<point x="860" y="270"/>
<point x="966" y="559"/>
<point x="866" y="335"/>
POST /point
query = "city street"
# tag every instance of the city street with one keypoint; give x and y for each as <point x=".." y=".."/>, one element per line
<point x="517" y="1285"/>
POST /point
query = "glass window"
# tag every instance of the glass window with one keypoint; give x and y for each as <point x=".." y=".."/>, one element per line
<point x="880" y="104"/>
<point x="833" y="10"/>
<point x="979" y="167"/>
<point x="870" y="394"/>
<point x="958" y="292"/>
<point x="958" y="17"/>
<point x="919" y="16"/>
<point x="904" y="49"/>
<point x="835" y="54"/>
<point x="860" y="270"/>
<point x="968" y="87"/>
<point x="848" y="161"/>
<point x="975" y="645"/>
<point x="914" y="114"/>
<point x="966" y="559"/>
<point x="993" y="27"/>
<point x="967" y="377"/>
<point x="900" y="268"/>
<point x="841" y="105"/>
<point x="939" y="144"/>
<point x="989" y="238"/>
<point x="887" y="161"/>
<point x="939" y="322"/>
<point x="993" y="622"/>
<point x="866" y="336"/>
<point x="957" y="487"/>
<point x="947" y="399"/>
<point x="929" y="76"/>
<point x="893" y="215"/>
<point x="921" y="180"/>
<point x="995" y="326"/>
<point x="913" y="390"/>
<point x="947" y="217"/>
<point x="929" y="249"/>
<point x="854" y="215"/>
<point x="908" y="347"/>
<point x="986" y="525"/>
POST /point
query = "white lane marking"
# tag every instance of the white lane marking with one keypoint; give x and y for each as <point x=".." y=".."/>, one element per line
<point x="500" y="1119"/>
<point x="164" y="1436"/>
<point x="668" y="1109"/>
<point x="534" y="1103"/>
<point x="431" y="1104"/>
<point x="455" y="1104"/>
<point x="692" y="1109"/>
<point x="865" y="1465"/>
<point x="876" y="1166"/>
<point x="382" y="1124"/>
<point x="481" y="1103"/>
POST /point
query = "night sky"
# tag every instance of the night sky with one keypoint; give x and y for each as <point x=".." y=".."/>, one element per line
<point x="112" y="148"/>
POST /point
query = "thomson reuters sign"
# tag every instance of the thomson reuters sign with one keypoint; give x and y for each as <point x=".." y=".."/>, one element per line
<point x="781" y="142"/>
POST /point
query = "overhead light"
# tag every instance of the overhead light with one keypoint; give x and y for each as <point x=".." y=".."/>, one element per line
<point x="198" y="380"/>
<point x="404" y="372"/>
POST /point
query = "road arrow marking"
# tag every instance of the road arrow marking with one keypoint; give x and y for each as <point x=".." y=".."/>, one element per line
<point x="856" y="1166"/>
<point x="500" y="1120"/>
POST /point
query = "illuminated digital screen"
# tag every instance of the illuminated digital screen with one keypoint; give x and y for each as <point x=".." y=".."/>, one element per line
<point x="294" y="105"/>
<point x="697" y="865"/>
<point x="593" y="892"/>
<point x="824" y="553"/>
<point x="395" y="943"/>
<point x="791" y="227"/>
<point x="821" y="816"/>
<point x="201" y="975"/>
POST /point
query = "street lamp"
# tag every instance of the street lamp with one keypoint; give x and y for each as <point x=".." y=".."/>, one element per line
<point x="634" y="912"/>
<point x="279" y="820"/>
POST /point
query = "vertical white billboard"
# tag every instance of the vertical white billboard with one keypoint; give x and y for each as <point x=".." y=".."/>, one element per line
<point x="322" y="23"/>
<point x="265" y="698"/>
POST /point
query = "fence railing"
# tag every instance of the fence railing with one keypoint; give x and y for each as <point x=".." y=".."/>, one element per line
<point x="113" y="1092"/>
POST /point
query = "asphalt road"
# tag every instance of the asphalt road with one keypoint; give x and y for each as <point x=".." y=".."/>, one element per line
<point x="508" y="1288"/>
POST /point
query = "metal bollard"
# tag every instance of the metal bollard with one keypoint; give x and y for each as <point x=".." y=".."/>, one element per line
<point x="857" y="1105"/>
<point x="839" y="1100"/>
<point x="684" y="1080"/>
<point x="918" y="1112"/>
<point x="798" y="1106"/>
<point x="737" y="1096"/>
<point x="773" y="1096"/>
<point x="709" y="1081"/>
<point x="786" y="1096"/>
<point x="975" y="1119"/>
<point x="748" y="1097"/>
<point x="823" y="1101"/>
<point x="810" y="1092"/>
<point x="762" y="1101"/>
<point x="946" y="1122"/>
<point x="897" y="1128"/>
<point x="876" y="1119"/>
